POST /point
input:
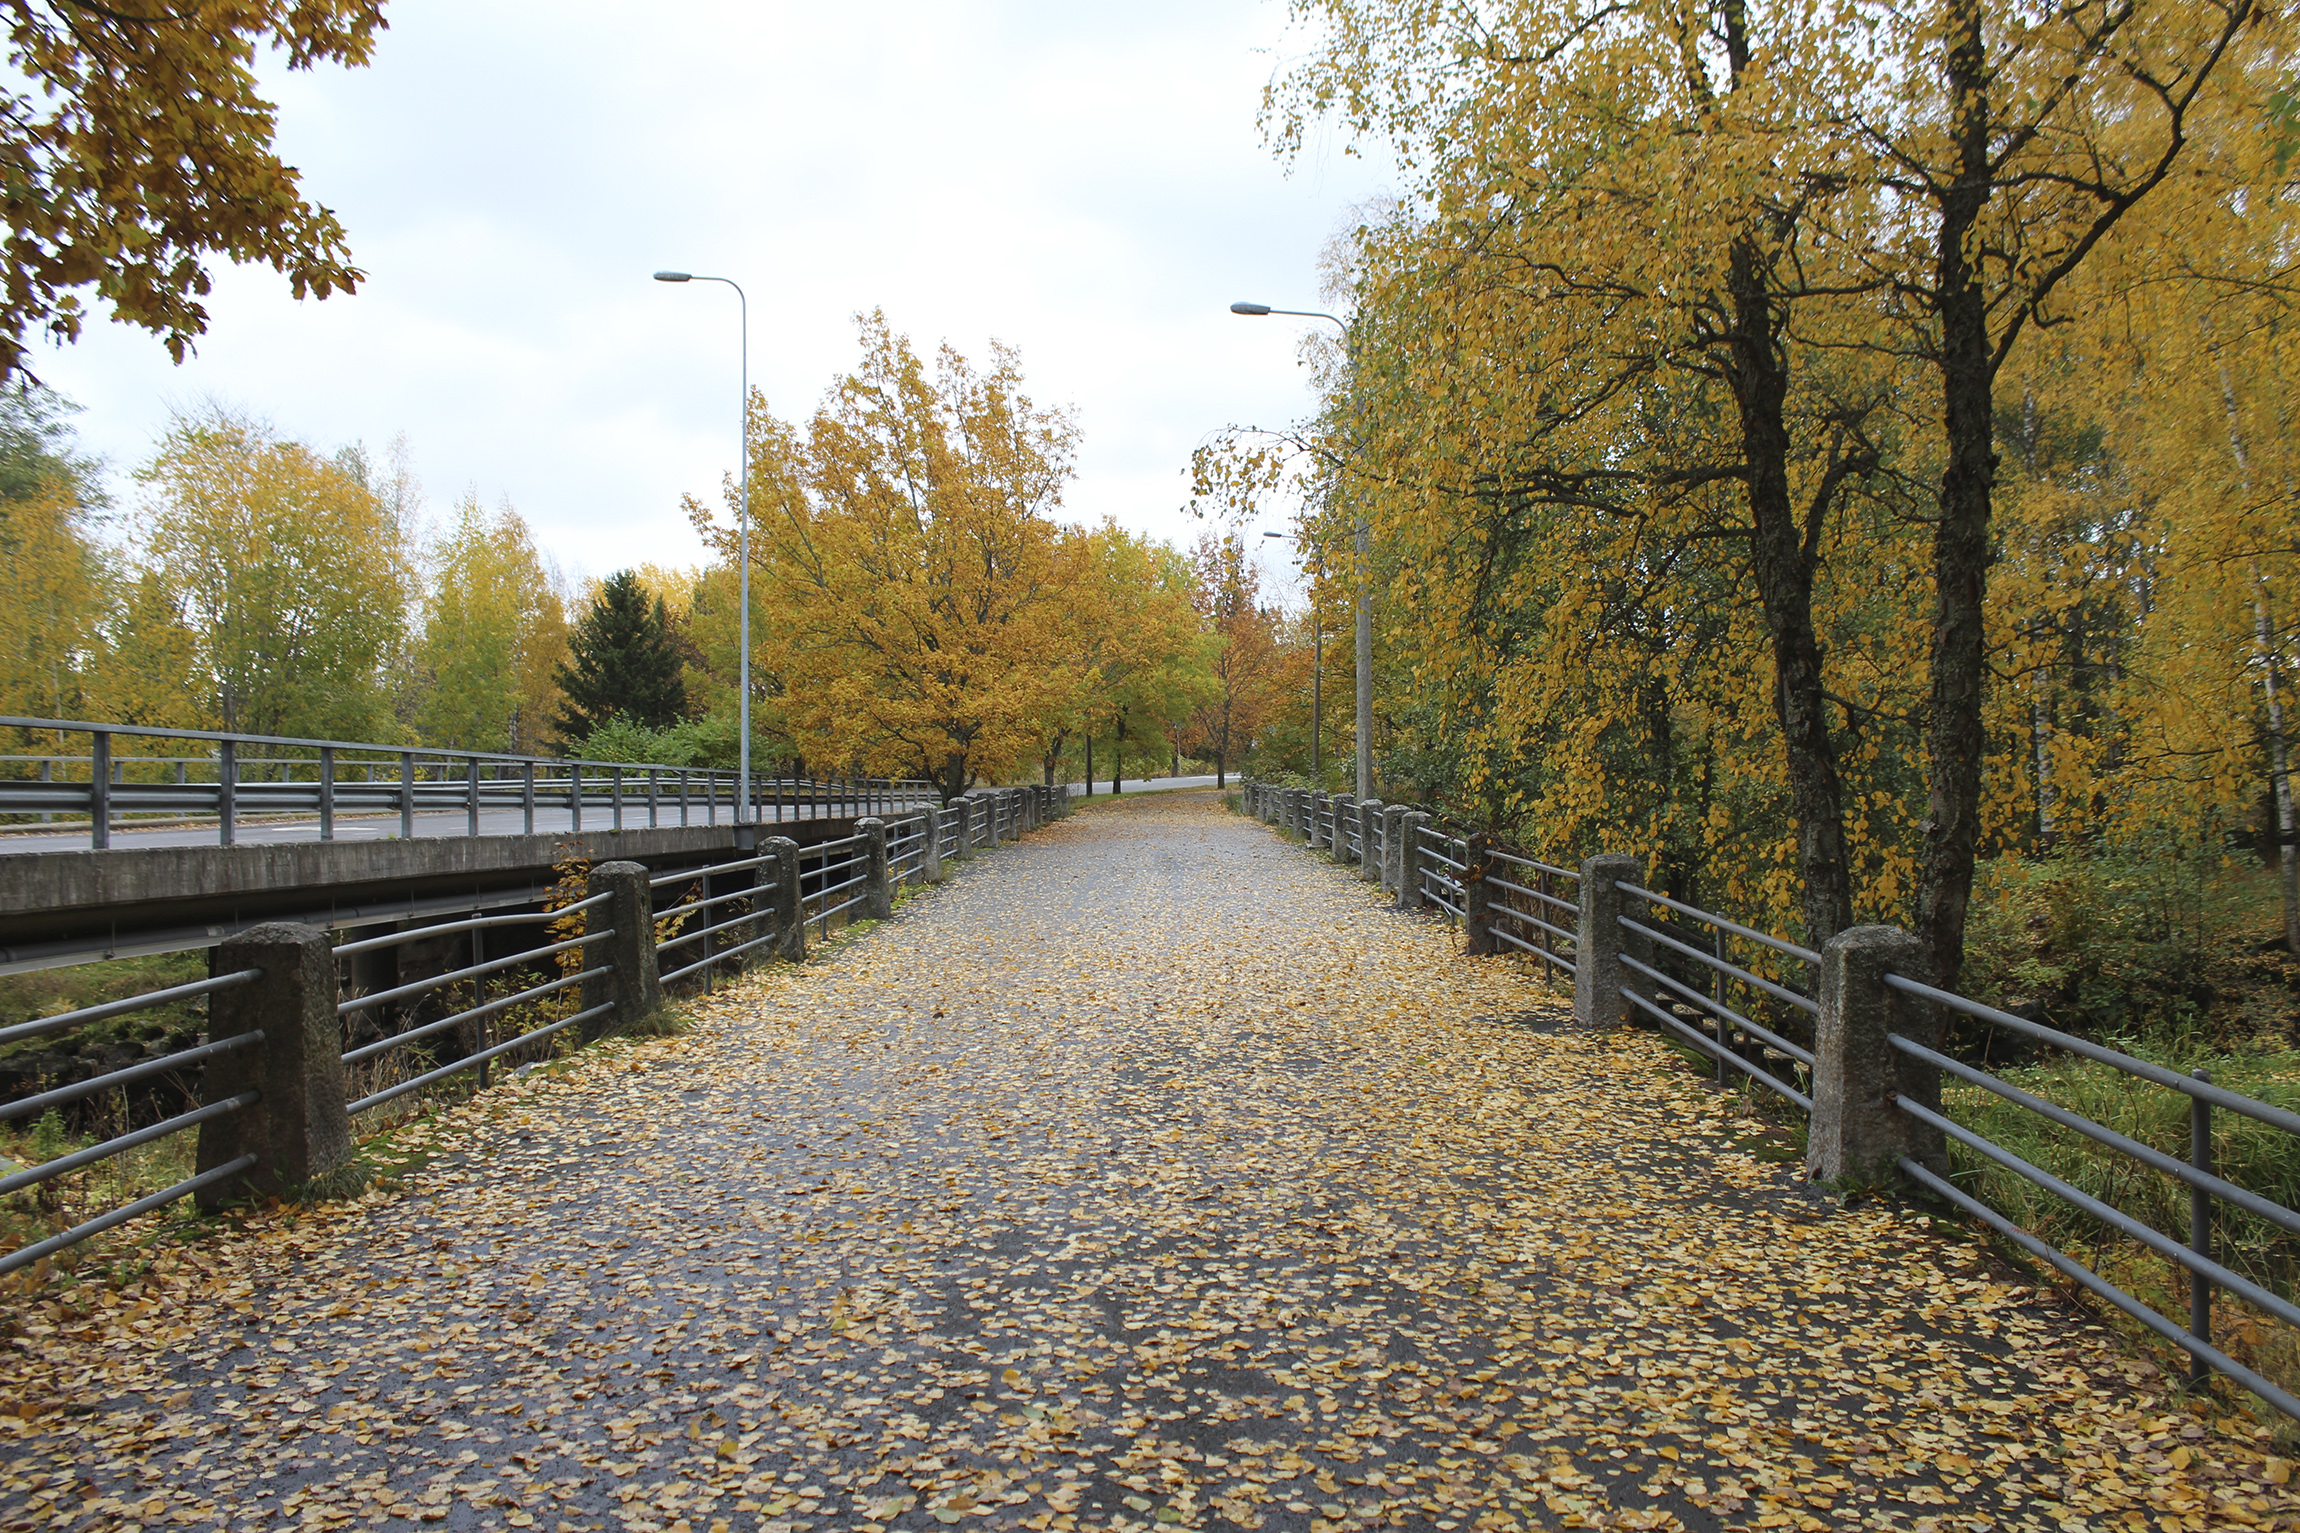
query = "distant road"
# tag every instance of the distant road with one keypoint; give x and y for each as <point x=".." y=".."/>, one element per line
<point x="492" y="822"/>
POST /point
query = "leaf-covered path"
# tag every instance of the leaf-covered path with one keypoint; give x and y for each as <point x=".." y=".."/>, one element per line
<point x="1148" y="1174"/>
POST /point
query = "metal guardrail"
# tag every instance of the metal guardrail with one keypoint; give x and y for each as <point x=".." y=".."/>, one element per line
<point x="23" y="1107"/>
<point x="833" y="878"/>
<point x="1710" y="1016"/>
<point x="249" y="776"/>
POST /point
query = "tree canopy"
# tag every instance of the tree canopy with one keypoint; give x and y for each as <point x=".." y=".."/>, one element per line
<point x="623" y="662"/>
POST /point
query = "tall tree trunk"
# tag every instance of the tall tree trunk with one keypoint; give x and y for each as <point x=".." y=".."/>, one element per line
<point x="1954" y="742"/>
<point x="1784" y="572"/>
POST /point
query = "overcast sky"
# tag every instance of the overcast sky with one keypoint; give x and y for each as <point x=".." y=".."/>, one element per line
<point x="1083" y="181"/>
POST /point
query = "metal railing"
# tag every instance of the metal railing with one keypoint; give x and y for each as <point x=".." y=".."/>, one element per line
<point x="1721" y="979"/>
<point x="758" y="904"/>
<point x="244" y="777"/>
<point x="24" y="1107"/>
<point x="476" y="1015"/>
<point x="1537" y="918"/>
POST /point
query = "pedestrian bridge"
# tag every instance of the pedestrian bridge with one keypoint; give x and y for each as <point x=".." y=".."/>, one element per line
<point x="1147" y="1173"/>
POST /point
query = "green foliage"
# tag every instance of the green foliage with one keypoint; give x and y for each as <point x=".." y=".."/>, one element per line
<point x="2175" y="948"/>
<point x="624" y="662"/>
<point x="707" y="742"/>
<point x="36" y="447"/>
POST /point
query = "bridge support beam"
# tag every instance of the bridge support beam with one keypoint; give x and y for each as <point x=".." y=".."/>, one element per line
<point x="634" y="986"/>
<point x="1857" y="1131"/>
<point x="878" y="883"/>
<point x="297" y="1128"/>
<point x="1601" y="939"/>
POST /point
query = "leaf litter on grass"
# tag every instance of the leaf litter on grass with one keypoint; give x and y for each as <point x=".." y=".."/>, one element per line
<point x="1151" y="1176"/>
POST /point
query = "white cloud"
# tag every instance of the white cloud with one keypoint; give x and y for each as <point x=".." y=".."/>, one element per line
<point x="1084" y="182"/>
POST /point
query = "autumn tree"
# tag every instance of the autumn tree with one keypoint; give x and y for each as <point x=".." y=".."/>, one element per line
<point x="911" y="578"/>
<point x="289" y="567"/>
<point x="58" y="575"/>
<point x="137" y="149"/>
<point x="494" y="634"/>
<point x="1226" y="591"/>
<point x="623" y="662"/>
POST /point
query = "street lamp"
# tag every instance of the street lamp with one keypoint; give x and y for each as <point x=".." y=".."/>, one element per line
<point x="743" y="814"/>
<point x="1363" y="538"/>
<point x="1317" y="675"/>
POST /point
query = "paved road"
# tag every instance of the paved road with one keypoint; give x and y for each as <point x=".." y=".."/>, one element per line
<point x="1147" y="1175"/>
<point x="492" y="822"/>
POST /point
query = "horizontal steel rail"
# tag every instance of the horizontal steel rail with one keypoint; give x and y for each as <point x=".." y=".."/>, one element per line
<point x="2172" y="1166"/>
<point x="1534" y="863"/>
<point x="1547" y="899"/>
<point x="472" y="1061"/>
<point x="41" y="1026"/>
<point x="102" y="1222"/>
<point x="1530" y="919"/>
<point x="685" y="906"/>
<point x="476" y="923"/>
<point x="1730" y="970"/>
<point x="703" y="963"/>
<point x="683" y="938"/>
<point x="24" y="1107"/>
<point x="1709" y="918"/>
<point x="2115" y="1218"/>
<point x="457" y="976"/>
<point x="2218" y="1096"/>
<point x="1709" y="1046"/>
<point x="1514" y="940"/>
<point x="1719" y="1009"/>
<point x="32" y="1176"/>
<point x="473" y="1014"/>
<point x="2195" y="1346"/>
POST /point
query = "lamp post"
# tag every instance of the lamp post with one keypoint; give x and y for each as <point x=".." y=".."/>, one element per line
<point x="1317" y="676"/>
<point x="743" y="815"/>
<point x="1363" y="540"/>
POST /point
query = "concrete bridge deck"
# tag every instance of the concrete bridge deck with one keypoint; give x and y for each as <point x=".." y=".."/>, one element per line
<point x="1147" y="1175"/>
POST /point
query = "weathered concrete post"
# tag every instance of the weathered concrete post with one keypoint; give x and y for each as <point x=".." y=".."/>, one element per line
<point x="1856" y="1130"/>
<point x="634" y="987"/>
<point x="1411" y="861"/>
<point x="1298" y="812"/>
<point x="930" y="846"/>
<point x="1601" y="939"/>
<point x="790" y="918"/>
<point x="1476" y="898"/>
<point x="297" y="1129"/>
<point x="1316" y="828"/>
<point x="1393" y="846"/>
<point x="1345" y="807"/>
<point x="1370" y="840"/>
<point x="878" y="887"/>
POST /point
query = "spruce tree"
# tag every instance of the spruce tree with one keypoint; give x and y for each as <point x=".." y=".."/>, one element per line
<point x="626" y="663"/>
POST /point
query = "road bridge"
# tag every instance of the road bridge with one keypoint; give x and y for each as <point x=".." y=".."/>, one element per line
<point x="1147" y="1174"/>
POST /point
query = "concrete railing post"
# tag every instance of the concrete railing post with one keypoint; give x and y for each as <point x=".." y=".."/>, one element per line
<point x="297" y="1128"/>
<point x="1476" y="898"/>
<point x="1856" y="1131"/>
<point x="1298" y="812"/>
<point x="1345" y="809"/>
<point x="790" y="920"/>
<point x="1393" y="846"/>
<point x="1315" y="828"/>
<point x="930" y="846"/>
<point x="1412" y="857"/>
<point x="634" y="986"/>
<point x="1601" y="939"/>
<point x="878" y="887"/>
<point x="1370" y="840"/>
